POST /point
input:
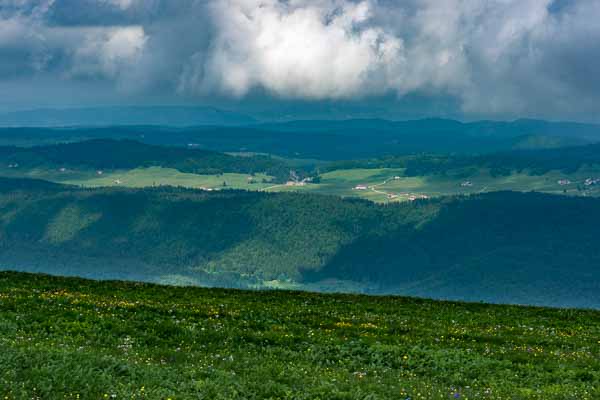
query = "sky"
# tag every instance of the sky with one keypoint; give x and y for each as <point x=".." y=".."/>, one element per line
<point x="469" y="59"/>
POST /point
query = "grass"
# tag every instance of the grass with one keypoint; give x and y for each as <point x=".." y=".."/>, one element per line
<point x="342" y="183"/>
<point x="152" y="176"/>
<point x="382" y="187"/>
<point x="78" y="339"/>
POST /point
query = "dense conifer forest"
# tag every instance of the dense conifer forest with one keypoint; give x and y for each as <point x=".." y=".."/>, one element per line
<point x="505" y="246"/>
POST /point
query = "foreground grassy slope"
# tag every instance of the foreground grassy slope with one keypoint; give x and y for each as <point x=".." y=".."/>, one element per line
<point x="70" y="338"/>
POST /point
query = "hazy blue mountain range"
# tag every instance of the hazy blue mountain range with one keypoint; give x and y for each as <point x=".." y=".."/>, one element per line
<point x="333" y="140"/>
<point x="103" y="116"/>
<point x="520" y="127"/>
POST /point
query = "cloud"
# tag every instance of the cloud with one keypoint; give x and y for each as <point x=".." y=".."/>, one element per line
<point x="107" y="52"/>
<point x="31" y="45"/>
<point x="497" y="57"/>
<point x="315" y="50"/>
<point x="494" y="57"/>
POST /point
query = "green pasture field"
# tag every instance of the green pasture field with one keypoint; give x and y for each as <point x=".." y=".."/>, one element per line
<point x="389" y="184"/>
<point x="382" y="184"/>
<point x="145" y="177"/>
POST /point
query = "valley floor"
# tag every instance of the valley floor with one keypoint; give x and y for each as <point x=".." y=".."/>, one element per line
<point x="73" y="338"/>
<point x="381" y="185"/>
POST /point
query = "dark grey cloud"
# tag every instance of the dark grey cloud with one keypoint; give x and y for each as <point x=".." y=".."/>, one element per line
<point x="493" y="58"/>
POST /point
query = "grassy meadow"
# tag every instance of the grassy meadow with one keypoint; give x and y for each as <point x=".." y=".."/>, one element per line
<point x="382" y="185"/>
<point x="391" y="184"/>
<point x="146" y="177"/>
<point x="78" y="339"/>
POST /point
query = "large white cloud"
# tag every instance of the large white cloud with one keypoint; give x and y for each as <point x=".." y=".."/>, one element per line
<point x="495" y="57"/>
<point x="492" y="55"/>
<point x="300" y="49"/>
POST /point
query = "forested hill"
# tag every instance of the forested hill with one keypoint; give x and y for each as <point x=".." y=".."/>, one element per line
<point x="540" y="161"/>
<point x="127" y="154"/>
<point x="507" y="247"/>
<point x="334" y="140"/>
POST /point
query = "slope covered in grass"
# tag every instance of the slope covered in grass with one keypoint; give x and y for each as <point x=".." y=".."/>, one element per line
<point x="70" y="338"/>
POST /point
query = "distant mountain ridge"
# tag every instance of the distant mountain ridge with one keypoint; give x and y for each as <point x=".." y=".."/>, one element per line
<point x="519" y="127"/>
<point x="211" y="129"/>
<point x="134" y="115"/>
<point x="188" y="116"/>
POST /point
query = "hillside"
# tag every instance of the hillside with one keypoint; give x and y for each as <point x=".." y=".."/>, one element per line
<point x="128" y="163"/>
<point x="536" y="162"/>
<point x="71" y="338"/>
<point x="499" y="247"/>
<point x="101" y="154"/>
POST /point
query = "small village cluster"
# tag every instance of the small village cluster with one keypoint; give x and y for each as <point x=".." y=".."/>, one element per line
<point x="413" y="197"/>
<point x="592" y="181"/>
<point x="302" y="182"/>
<point x="587" y="182"/>
<point x="295" y="180"/>
<point x="392" y="196"/>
